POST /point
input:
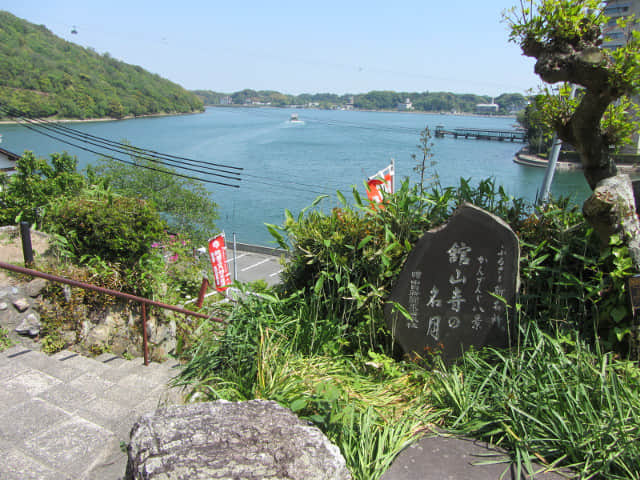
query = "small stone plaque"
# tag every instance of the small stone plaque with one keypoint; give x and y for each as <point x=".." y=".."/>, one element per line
<point x="458" y="285"/>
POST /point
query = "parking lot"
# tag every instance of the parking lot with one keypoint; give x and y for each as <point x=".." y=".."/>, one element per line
<point x="255" y="263"/>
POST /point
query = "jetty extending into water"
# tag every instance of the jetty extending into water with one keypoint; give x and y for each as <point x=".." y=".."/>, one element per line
<point x="483" y="134"/>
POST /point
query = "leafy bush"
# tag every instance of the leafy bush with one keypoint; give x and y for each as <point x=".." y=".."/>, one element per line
<point x="116" y="229"/>
<point x="184" y="204"/>
<point x="319" y="345"/>
<point x="346" y="262"/>
<point x="26" y="194"/>
<point x="569" y="281"/>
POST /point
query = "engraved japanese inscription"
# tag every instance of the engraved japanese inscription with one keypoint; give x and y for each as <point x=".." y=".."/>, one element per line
<point x="458" y="286"/>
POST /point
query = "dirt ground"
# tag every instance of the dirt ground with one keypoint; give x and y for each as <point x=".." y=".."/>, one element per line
<point x="11" y="250"/>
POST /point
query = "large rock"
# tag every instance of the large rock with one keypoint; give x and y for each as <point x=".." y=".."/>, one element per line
<point x="246" y="440"/>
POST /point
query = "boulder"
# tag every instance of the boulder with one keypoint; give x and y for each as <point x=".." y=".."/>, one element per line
<point x="257" y="439"/>
<point x="35" y="287"/>
<point x="30" y="325"/>
<point x="21" y="304"/>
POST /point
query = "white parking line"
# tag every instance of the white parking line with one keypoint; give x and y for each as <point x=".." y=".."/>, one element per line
<point x="277" y="273"/>
<point x="238" y="256"/>
<point x="255" y="264"/>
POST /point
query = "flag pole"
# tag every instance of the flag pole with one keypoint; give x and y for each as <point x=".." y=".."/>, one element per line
<point x="393" y="176"/>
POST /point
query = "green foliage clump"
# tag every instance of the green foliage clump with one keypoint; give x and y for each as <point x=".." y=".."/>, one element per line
<point x="116" y="229"/>
<point x="319" y="345"/>
<point x="27" y="193"/>
<point x="185" y="204"/>
<point x="45" y="75"/>
<point x="569" y="282"/>
<point x="346" y="261"/>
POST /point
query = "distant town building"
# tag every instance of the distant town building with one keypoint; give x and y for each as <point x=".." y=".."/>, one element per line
<point x="616" y="37"/>
<point x="406" y="105"/>
<point x="226" y="100"/>
<point x="487" y="108"/>
<point x="8" y="161"/>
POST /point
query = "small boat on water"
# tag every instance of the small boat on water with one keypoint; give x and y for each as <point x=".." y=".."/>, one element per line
<point x="294" y="118"/>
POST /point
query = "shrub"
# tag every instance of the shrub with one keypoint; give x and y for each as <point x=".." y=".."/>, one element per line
<point x="117" y="229"/>
<point x="26" y="194"/>
<point x="345" y="262"/>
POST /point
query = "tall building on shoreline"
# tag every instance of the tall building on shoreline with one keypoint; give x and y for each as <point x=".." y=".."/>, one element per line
<point x="616" y="37"/>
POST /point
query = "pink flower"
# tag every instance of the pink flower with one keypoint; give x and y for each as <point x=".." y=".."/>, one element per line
<point x="173" y="257"/>
<point x="155" y="245"/>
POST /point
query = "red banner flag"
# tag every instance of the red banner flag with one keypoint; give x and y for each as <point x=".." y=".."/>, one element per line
<point x="218" y="256"/>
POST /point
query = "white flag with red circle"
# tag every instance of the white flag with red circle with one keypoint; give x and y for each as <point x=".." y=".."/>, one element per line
<point x="381" y="183"/>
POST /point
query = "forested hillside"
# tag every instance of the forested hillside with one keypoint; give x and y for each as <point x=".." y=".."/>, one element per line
<point x="43" y="75"/>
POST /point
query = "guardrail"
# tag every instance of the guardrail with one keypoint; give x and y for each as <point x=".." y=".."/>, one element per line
<point x="114" y="293"/>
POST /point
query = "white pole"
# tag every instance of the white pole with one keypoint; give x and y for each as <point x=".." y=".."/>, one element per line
<point x="393" y="177"/>
<point x="553" y="160"/>
<point x="551" y="169"/>
<point x="235" y="259"/>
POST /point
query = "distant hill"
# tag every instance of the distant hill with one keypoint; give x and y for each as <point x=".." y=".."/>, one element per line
<point x="508" y="103"/>
<point x="43" y="75"/>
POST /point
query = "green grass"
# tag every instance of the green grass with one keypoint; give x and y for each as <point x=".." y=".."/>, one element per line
<point x="5" y="341"/>
<point x="371" y="410"/>
<point x="551" y="400"/>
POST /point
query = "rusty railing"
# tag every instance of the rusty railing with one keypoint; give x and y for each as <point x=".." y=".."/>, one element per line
<point x="114" y="293"/>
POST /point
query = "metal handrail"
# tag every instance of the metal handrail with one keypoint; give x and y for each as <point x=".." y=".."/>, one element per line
<point x="115" y="293"/>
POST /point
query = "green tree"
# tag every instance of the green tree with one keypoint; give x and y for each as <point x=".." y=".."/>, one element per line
<point x="539" y="133"/>
<point x="185" y="204"/>
<point x="565" y="37"/>
<point x="36" y="182"/>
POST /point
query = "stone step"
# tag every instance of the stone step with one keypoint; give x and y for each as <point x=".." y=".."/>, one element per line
<point x="66" y="414"/>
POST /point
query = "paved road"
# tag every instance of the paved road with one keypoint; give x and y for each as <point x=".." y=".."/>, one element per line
<point x="252" y="263"/>
<point x="256" y="263"/>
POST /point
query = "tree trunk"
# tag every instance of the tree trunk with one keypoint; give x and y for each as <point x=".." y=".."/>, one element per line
<point x="611" y="210"/>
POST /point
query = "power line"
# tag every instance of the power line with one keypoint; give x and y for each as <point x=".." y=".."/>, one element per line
<point x="156" y="157"/>
<point x="37" y="125"/>
<point x="129" y="162"/>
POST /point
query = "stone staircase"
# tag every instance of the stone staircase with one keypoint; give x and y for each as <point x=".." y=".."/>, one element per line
<point x="67" y="416"/>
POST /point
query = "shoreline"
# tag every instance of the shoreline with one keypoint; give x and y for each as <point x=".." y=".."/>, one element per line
<point x="414" y="112"/>
<point x="100" y="119"/>
<point x="530" y="160"/>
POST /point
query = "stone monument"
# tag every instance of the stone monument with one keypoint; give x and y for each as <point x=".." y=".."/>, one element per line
<point x="458" y="286"/>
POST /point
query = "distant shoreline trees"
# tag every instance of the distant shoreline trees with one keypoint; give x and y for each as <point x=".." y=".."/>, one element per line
<point x="509" y="103"/>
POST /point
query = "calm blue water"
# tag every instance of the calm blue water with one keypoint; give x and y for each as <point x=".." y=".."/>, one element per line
<point x="287" y="165"/>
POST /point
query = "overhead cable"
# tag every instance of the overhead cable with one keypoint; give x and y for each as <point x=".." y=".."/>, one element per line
<point x="163" y="159"/>
<point x="127" y="162"/>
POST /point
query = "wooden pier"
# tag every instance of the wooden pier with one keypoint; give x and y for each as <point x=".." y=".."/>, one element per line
<point x="483" y="134"/>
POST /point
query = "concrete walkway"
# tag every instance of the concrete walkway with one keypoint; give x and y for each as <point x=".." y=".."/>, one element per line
<point x="66" y="416"/>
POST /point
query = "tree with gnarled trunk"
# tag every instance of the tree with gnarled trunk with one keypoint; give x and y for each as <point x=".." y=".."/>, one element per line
<point x="566" y="39"/>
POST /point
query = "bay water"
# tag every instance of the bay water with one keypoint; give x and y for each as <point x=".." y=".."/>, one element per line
<point x="286" y="165"/>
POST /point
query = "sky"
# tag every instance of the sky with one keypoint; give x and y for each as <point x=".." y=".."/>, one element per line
<point x="299" y="46"/>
